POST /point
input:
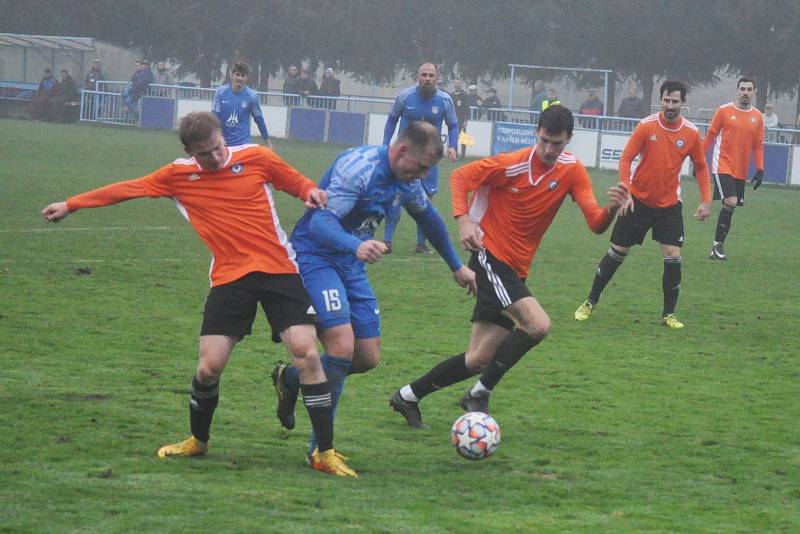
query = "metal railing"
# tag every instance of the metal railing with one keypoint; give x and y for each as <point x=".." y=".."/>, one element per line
<point x="106" y="105"/>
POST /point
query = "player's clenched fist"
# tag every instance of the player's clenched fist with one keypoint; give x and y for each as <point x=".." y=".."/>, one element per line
<point x="55" y="212"/>
<point x="371" y="251"/>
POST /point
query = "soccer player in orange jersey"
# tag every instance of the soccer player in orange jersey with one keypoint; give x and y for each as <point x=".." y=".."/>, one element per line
<point x="224" y="193"/>
<point x="736" y="130"/>
<point x="663" y="141"/>
<point x="515" y="197"/>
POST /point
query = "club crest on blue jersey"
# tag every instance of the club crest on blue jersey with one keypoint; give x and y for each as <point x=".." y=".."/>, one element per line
<point x="236" y="169"/>
<point x="434" y="109"/>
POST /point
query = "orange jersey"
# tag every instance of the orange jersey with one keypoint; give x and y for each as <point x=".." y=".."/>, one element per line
<point x="663" y="147"/>
<point x="734" y="133"/>
<point x="516" y="198"/>
<point x="231" y="208"/>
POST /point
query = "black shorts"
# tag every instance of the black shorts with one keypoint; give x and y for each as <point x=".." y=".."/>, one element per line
<point x="499" y="286"/>
<point x="231" y="308"/>
<point x="725" y="185"/>
<point x="667" y="225"/>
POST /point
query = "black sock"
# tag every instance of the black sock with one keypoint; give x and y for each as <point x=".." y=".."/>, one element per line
<point x="317" y="398"/>
<point x="201" y="408"/>
<point x="445" y="373"/>
<point x="724" y="223"/>
<point x="605" y="271"/>
<point x="671" y="283"/>
<point x="508" y="353"/>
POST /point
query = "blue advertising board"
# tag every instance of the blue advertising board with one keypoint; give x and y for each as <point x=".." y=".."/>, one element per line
<point x="511" y="136"/>
<point x="346" y="128"/>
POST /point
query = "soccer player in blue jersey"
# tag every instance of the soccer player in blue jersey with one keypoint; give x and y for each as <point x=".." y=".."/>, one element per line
<point x="333" y="244"/>
<point x="422" y="102"/>
<point x="234" y="103"/>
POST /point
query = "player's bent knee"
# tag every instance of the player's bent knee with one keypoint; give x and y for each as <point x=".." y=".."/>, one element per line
<point x="537" y="329"/>
<point x="731" y="202"/>
<point x="209" y="372"/>
<point x="339" y="341"/>
<point x="364" y="364"/>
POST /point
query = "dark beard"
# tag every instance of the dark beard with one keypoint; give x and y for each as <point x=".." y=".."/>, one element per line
<point x="426" y="91"/>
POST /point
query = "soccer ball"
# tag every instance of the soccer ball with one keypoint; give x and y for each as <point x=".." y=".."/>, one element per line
<point x="475" y="435"/>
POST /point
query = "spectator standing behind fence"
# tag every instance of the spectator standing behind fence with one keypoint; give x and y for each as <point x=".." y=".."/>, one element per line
<point x="329" y="86"/>
<point x="631" y="106"/>
<point x="475" y="102"/>
<point x="233" y="105"/>
<point x="551" y="100"/>
<point x="94" y="75"/>
<point x="307" y="88"/>
<point x="140" y="82"/>
<point x="290" y="86"/>
<point x="66" y="108"/>
<point x="461" y="105"/>
<point x="538" y="95"/>
<point x="591" y="106"/>
<point x="771" y="122"/>
<point x="162" y="76"/>
<point x="491" y="101"/>
<point x="42" y="103"/>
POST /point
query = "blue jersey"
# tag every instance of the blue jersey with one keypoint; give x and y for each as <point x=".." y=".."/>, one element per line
<point x="361" y="190"/>
<point x="234" y="110"/>
<point x="410" y="106"/>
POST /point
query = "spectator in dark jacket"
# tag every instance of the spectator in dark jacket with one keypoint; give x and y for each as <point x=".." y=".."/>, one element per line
<point x="42" y="104"/>
<point x="330" y="86"/>
<point x="94" y="75"/>
<point x="307" y="87"/>
<point x="491" y="101"/>
<point x="631" y="106"/>
<point x="290" y="86"/>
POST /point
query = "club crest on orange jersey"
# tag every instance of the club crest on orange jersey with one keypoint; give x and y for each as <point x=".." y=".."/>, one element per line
<point x="680" y="143"/>
<point x="552" y="184"/>
<point x="236" y="169"/>
<point x="194" y="176"/>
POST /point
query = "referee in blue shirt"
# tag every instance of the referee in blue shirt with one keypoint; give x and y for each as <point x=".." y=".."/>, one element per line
<point x="234" y="103"/>
<point x="422" y="102"/>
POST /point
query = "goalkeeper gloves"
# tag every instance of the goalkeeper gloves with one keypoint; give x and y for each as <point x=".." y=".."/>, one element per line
<point x="758" y="177"/>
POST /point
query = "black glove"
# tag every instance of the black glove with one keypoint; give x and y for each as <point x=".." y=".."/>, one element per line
<point x="758" y="177"/>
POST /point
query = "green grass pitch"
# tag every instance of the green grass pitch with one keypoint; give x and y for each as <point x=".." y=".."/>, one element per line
<point x="613" y="425"/>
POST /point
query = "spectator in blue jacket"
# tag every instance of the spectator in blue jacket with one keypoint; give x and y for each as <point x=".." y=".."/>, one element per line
<point x="140" y="82"/>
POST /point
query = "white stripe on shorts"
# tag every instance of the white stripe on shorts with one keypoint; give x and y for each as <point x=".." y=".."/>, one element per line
<point x="499" y="288"/>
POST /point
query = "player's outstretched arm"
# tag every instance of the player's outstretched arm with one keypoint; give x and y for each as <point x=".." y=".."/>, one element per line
<point x="435" y="230"/>
<point x="55" y="212"/>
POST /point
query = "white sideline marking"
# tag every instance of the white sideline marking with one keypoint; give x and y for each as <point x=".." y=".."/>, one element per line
<point x="92" y="228"/>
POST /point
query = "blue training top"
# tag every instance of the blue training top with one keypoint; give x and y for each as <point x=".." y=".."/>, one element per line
<point x="410" y="106"/>
<point x="233" y="110"/>
<point x="361" y="191"/>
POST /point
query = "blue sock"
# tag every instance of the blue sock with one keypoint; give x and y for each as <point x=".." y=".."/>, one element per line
<point x="392" y="218"/>
<point x="420" y="235"/>
<point x="336" y="370"/>
<point x="291" y="378"/>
